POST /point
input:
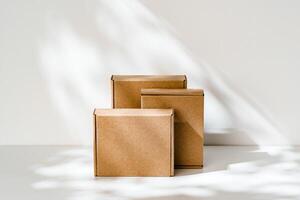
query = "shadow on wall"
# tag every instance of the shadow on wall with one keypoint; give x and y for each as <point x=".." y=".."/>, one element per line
<point x="77" y="45"/>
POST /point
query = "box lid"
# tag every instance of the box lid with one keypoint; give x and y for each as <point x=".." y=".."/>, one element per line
<point x="171" y="92"/>
<point x="148" y="77"/>
<point x="133" y="112"/>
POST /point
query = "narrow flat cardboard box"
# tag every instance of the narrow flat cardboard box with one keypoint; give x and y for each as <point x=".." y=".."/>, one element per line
<point x="126" y="88"/>
<point x="188" y="105"/>
<point x="133" y="142"/>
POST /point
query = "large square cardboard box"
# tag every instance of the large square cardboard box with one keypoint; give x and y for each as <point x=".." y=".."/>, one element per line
<point x="126" y="89"/>
<point x="188" y="109"/>
<point x="133" y="142"/>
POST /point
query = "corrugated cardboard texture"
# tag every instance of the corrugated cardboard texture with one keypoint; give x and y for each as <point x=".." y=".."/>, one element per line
<point x="134" y="142"/>
<point x="126" y="89"/>
<point x="188" y="106"/>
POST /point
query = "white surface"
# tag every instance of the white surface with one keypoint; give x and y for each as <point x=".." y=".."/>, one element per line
<point x="230" y="173"/>
<point x="56" y="58"/>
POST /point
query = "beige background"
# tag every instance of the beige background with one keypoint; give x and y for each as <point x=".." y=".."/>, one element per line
<point x="56" y="58"/>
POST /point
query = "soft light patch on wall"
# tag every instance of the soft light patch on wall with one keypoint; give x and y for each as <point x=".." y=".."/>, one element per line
<point x="124" y="37"/>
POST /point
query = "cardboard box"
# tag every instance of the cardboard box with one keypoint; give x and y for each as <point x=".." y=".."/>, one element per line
<point x="134" y="142"/>
<point x="188" y="105"/>
<point x="126" y="89"/>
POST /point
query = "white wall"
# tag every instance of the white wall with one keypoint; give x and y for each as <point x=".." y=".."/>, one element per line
<point x="56" y="58"/>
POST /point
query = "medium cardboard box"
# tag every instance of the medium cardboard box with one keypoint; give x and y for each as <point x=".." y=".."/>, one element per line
<point x="133" y="142"/>
<point x="188" y="134"/>
<point x="126" y="89"/>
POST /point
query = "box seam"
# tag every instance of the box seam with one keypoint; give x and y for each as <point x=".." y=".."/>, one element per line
<point x="172" y="146"/>
<point x="185" y="82"/>
<point x="113" y="91"/>
<point x="189" y="95"/>
<point x="95" y="145"/>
